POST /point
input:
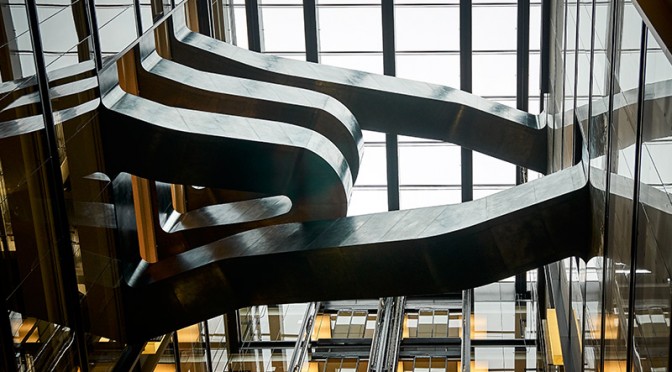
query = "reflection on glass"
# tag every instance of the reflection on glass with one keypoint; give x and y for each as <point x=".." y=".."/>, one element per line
<point x="271" y="322"/>
<point x="652" y="284"/>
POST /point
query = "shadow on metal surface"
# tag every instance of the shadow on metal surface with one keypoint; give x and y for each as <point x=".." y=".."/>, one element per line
<point x="172" y="84"/>
<point x="381" y="103"/>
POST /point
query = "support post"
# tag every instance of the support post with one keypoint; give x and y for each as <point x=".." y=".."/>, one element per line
<point x="253" y="16"/>
<point x="64" y="257"/>
<point x="466" y="329"/>
<point x="386" y="341"/>
<point x="310" y="30"/>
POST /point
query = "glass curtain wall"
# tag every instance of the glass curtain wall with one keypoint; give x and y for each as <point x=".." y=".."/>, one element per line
<point x="611" y="77"/>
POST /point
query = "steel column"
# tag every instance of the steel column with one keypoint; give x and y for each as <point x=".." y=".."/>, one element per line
<point x="176" y="351"/>
<point x="466" y="329"/>
<point x="611" y="56"/>
<point x="138" y="16"/>
<point x="634" y="236"/>
<point x="253" y="16"/>
<point x="545" y="62"/>
<point x="466" y="85"/>
<point x="203" y="8"/>
<point x="61" y="228"/>
<point x="310" y="31"/>
<point x="467" y="170"/>
<point x="386" y="340"/>
<point x="208" y="353"/>
<point x="391" y="141"/>
<point x="303" y="341"/>
<point x="95" y="37"/>
<point x="385" y="345"/>
<point x="232" y="331"/>
<point x="522" y="99"/>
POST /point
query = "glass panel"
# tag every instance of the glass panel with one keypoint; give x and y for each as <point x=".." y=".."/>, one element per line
<point x="283" y="29"/>
<point x="494" y="74"/>
<point x="350" y="29"/>
<point x="494" y="28"/>
<point x="426" y="197"/>
<point x="652" y="303"/>
<point x="492" y="171"/>
<point x="116" y="28"/>
<point x="241" y="27"/>
<point x="442" y="69"/>
<point x="368" y="200"/>
<point x="427" y="28"/>
<point x="620" y="208"/>
<point x="370" y="62"/>
<point x="418" y="165"/>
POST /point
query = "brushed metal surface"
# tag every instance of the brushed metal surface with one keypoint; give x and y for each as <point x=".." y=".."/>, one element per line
<point x="410" y="252"/>
<point x="382" y="103"/>
<point x="172" y="84"/>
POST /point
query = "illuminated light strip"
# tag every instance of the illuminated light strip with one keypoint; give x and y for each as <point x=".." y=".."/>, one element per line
<point x="553" y="332"/>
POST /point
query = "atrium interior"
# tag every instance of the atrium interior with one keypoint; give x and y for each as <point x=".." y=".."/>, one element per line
<point x="138" y="235"/>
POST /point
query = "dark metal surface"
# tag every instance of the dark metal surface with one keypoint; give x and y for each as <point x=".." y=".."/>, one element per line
<point x="466" y="155"/>
<point x="169" y="83"/>
<point x="391" y="140"/>
<point x="412" y="252"/>
<point x="62" y="250"/>
<point x="253" y="18"/>
<point x="310" y="31"/>
<point x="209" y="149"/>
<point x="381" y="103"/>
<point x="420" y="251"/>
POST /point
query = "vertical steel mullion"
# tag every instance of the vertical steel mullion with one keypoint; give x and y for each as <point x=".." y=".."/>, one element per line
<point x="467" y="301"/>
<point x="523" y="55"/>
<point x="312" y="38"/>
<point x="522" y="96"/>
<point x="95" y="36"/>
<point x="634" y="235"/>
<point x="252" y="15"/>
<point x="232" y="331"/>
<point x="611" y="56"/>
<point x="64" y="255"/>
<point x="563" y="85"/>
<point x="466" y="85"/>
<point x="587" y="144"/>
<point x="391" y="140"/>
<point x="203" y="8"/>
<point x="138" y="16"/>
<point x="576" y="144"/>
<point x="176" y="351"/>
<point x="208" y="352"/>
<point x="545" y="57"/>
<point x="467" y="171"/>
